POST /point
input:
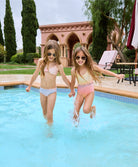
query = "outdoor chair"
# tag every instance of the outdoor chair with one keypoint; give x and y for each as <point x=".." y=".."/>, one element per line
<point x="129" y="69"/>
<point x="107" y="59"/>
<point x="135" y="78"/>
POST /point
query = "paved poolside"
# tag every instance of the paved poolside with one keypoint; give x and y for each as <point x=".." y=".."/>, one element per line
<point x="108" y="84"/>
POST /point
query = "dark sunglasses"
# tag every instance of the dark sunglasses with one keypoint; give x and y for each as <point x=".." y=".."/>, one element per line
<point x="49" y="54"/>
<point x="82" y="58"/>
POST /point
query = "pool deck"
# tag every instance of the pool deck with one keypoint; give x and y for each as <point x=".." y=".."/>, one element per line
<point x="108" y="84"/>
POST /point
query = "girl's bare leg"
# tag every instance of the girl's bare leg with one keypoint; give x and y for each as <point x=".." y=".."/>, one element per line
<point x="93" y="111"/>
<point x="88" y="108"/>
<point x="50" y="107"/>
<point x="78" y="103"/>
<point x="43" y="100"/>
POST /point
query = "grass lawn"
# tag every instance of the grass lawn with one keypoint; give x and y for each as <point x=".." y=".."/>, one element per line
<point x="27" y="71"/>
<point x="67" y="70"/>
<point x="8" y="66"/>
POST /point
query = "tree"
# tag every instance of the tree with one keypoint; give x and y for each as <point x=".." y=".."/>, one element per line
<point x="29" y="26"/>
<point x="118" y="14"/>
<point x="9" y="32"/>
<point x="99" y="39"/>
<point x="99" y="44"/>
<point x="76" y="46"/>
<point x="1" y="36"/>
<point x="2" y="54"/>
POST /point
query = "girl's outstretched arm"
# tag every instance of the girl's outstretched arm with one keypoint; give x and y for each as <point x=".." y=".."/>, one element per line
<point x="107" y="72"/>
<point x="35" y="74"/>
<point x="65" y="79"/>
<point x="73" y="77"/>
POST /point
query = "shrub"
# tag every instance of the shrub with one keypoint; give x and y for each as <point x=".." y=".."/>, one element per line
<point x="130" y="55"/>
<point x="30" y="57"/>
<point x="2" y="53"/>
<point x="18" y="58"/>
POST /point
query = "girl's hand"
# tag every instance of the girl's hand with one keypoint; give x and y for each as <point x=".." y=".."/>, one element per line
<point x="71" y="94"/>
<point x="120" y="76"/>
<point x="28" y="89"/>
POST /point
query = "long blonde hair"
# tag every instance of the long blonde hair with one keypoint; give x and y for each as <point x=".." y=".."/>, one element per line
<point x="89" y="63"/>
<point x="51" y="44"/>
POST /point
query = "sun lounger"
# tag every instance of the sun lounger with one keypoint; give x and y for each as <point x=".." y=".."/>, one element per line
<point x="107" y="59"/>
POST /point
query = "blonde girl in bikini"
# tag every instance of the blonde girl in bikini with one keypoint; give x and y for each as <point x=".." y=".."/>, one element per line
<point x="86" y="71"/>
<point x="49" y="66"/>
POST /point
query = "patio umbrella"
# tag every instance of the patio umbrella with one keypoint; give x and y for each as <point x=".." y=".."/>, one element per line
<point x="135" y="35"/>
<point x="132" y="42"/>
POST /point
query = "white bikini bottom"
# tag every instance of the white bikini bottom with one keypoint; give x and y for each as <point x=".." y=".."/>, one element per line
<point x="47" y="92"/>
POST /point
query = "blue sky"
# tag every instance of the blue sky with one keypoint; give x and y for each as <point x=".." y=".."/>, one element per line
<point x="48" y="12"/>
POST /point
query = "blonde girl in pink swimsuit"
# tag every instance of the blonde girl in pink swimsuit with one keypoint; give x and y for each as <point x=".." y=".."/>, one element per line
<point x="49" y="66"/>
<point x="86" y="71"/>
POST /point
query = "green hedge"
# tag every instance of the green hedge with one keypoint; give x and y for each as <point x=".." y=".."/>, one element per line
<point x="20" y="58"/>
<point x="30" y="57"/>
<point x="2" y="53"/>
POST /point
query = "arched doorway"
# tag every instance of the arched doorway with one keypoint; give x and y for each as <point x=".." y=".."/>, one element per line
<point x="52" y="37"/>
<point x="72" y="39"/>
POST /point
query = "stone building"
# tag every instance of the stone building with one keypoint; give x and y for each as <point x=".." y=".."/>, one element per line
<point x="68" y="34"/>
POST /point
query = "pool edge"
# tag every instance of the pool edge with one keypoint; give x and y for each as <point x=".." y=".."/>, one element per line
<point x="97" y="88"/>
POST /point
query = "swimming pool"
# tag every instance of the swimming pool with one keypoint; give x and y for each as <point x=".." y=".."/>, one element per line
<point x="109" y="140"/>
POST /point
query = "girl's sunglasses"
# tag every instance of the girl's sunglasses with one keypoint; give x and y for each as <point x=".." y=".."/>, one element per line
<point x="49" y="54"/>
<point x="82" y="58"/>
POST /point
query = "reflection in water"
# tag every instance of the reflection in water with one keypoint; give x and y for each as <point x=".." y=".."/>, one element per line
<point x="49" y="131"/>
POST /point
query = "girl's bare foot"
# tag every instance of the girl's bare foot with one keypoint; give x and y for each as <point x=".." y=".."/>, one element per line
<point x="93" y="112"/>
<point x="45" y="116"/>
<point x="76" y="119"/>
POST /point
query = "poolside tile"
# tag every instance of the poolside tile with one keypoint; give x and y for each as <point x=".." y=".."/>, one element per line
<point x="108" y="84"/>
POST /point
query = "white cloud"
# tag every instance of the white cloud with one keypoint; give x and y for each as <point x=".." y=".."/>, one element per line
<point x="48" y="12"/>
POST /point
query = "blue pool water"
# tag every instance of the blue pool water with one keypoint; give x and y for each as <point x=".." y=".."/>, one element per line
<point x="109" y="140"/>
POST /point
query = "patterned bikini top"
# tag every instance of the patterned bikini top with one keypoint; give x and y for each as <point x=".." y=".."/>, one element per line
<point x="84" y="79"/>
<point x="53" y="70"/>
